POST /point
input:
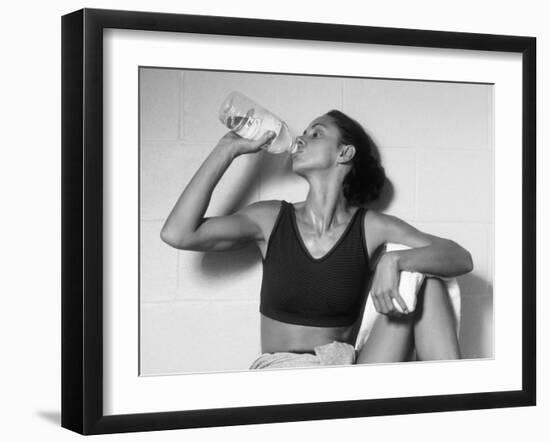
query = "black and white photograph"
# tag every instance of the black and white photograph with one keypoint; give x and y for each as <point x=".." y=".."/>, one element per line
<point x="299" y="221"/>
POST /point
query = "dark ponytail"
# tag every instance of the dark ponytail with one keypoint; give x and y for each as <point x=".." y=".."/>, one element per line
<point x="366" y="179"/>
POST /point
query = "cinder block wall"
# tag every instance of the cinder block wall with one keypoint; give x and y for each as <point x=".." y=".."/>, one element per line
<point x="199" y="311"/>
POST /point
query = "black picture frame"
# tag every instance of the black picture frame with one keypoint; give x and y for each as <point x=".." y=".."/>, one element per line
<point x="82" y="218"/>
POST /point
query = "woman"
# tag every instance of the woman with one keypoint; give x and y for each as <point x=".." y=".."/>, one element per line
<point x="318" y="254"/>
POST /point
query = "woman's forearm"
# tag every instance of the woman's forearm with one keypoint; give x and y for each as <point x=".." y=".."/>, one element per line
<point x="191" y="205"/>
<point x="443" y="258"/>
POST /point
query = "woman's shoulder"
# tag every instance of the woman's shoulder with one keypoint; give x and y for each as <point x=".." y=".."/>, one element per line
<point x="265" y="210"/>
<point x="381" y="221"/>
<point x="265" y="214"/>
<point x="269" y="205"/>
<point x="383" y="226"/>
<point x="376" y="224"/>
<point x="379" y="218"/>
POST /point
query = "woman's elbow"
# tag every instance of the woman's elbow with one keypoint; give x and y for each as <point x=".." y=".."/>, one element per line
<point x="166" y="237"/>
<point x="467" y="261"/>
<point x="176" y="241"/>
<point x="462" y="258"/>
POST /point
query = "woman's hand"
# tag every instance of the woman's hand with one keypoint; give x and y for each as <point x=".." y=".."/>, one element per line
<point x="385" y="286"/>
<point x="238" y="145"/>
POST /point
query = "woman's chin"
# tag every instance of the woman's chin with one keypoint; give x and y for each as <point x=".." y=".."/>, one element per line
<point x="297" y="168"/>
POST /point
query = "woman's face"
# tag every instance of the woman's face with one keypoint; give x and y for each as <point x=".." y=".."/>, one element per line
<point x="317" y="146"/>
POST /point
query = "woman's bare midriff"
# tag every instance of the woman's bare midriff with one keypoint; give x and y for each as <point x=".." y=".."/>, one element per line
<point x="285" y="337"/>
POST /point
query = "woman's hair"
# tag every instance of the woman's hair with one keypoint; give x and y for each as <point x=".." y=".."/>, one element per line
<point x="367" y="177"/>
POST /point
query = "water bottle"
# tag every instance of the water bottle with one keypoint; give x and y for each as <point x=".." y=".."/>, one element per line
<point x="251" y="121"/>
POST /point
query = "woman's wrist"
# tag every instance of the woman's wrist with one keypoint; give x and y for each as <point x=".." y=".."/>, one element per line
<point x="394" y="257"/>
<point x="227" y="151"/>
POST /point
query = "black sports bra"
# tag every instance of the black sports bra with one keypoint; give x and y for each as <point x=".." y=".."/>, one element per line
<point x="298" y="288"/>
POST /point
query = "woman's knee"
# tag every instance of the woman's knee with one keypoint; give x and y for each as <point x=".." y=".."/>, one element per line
<point x="434" y="285"/>
<point x="434" y="300"/>
<point x="390" y="340"/>
<point x="435" y="328"/>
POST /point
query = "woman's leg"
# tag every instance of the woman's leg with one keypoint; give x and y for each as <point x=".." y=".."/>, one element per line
<point x="390" y="340"/>
<point x="435" y="324"/>
<point x="430" y="329"/>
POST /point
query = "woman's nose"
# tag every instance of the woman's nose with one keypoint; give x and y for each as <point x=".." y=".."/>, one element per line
<point x="300" y="141"/>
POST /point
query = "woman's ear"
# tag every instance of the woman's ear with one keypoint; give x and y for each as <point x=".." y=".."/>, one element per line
<point x="346" y="154"/>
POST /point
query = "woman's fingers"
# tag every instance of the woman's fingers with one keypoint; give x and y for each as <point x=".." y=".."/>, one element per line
<point x="264" y="141"/>
<point x="399" y="300"/>
<point x="382" y="300"/>
<point x="381" y="304"/>
<point x="389" y="302"/>
<point x="377" y="304"/>
<point x="242" y="145"/>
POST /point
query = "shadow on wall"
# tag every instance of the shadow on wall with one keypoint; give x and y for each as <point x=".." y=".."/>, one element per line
<point x="217" y="265"/>
<point x="386" y="196"/>
<point x="476" y="329"/>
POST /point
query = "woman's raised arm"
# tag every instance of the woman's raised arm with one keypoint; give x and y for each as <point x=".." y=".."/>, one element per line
<point x="186" y="227"/>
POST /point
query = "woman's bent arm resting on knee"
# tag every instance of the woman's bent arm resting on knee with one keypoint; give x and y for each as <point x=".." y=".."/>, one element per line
<point x="186" y="227"/>
<point x="431" y="331"/>
<point x="430" y="255"/>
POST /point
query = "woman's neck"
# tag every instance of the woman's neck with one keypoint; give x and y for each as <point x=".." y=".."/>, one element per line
<point x="325" y="207"/>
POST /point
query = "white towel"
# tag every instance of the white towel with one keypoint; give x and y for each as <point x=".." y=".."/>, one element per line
<point x="409" y="283"/>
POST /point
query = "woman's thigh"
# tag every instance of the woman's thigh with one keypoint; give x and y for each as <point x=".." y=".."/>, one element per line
<point x="430" y="330"/>
<point x="390" y="340"/>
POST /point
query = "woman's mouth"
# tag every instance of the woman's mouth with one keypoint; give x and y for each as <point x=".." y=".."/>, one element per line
<point x="297" y="147"/>
<point x="295" y="152"/>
